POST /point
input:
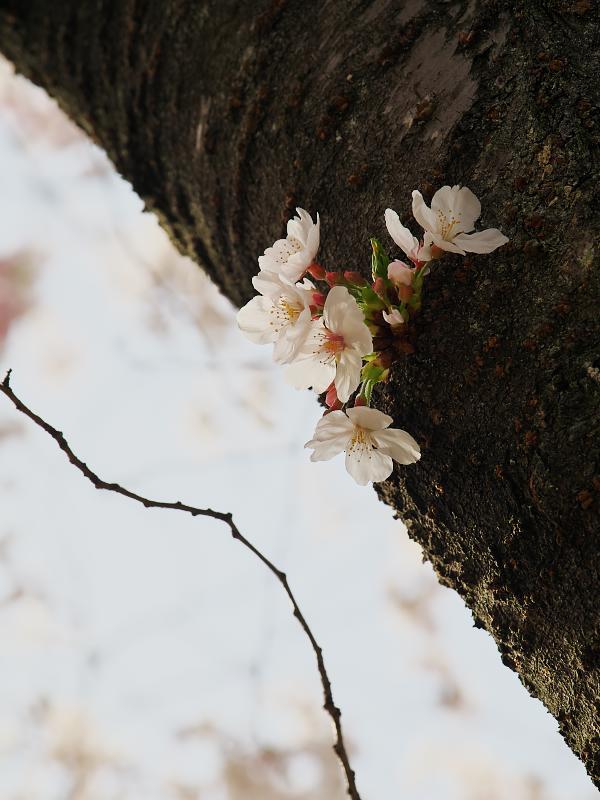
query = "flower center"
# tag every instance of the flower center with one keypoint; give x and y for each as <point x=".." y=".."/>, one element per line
<point x="291" y="311"/>
<point x="334" y="342"/>
<point x="360" y="444"/>
<point x="447" y="224"/>
<point x="359" y="439"/>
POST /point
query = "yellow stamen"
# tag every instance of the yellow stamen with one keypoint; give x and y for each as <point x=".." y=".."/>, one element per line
<point x="290" y="310"/>
<point x="447" y="224"/>
<point x="334" y="343"/>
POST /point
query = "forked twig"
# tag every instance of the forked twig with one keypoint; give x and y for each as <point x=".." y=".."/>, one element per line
<point x="329" y="705"/>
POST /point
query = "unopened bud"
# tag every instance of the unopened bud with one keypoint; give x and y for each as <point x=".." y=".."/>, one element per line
<point x="400" y="273"/>
<point x="334" y="278"/>
<point x="355" y="278"/>
<point x="317" y="271"/>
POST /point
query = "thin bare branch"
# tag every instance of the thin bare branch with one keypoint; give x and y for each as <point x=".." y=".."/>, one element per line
<point x="329" y="705"/>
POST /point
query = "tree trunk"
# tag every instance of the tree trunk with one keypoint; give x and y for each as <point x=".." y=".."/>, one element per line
<point x="224" y="115"/>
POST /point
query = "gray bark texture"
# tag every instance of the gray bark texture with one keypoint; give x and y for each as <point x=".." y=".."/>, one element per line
<point x="225" y="115"/>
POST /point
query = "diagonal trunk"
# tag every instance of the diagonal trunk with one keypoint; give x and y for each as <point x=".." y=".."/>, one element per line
<point x="225" y="115"/>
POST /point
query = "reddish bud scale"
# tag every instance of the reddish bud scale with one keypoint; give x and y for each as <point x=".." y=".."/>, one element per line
<point x="331" y="398"/>
<point x="405" y="293"/>
<point x="334" y="278"/>
<point x="355" y="278"/>
<point x="318" y="298"/>
<point x="317" y="271"/>
<point x="360" y="401"/>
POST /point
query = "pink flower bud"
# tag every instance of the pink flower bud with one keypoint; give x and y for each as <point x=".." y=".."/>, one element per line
<point x="354" y="278"/>
<point x="394" y="318"/>
<point x="317" y="271"/>
<point x="400" y="273"/>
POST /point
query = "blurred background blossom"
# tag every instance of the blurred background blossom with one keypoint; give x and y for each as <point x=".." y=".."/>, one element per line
<point x="147" y="656"/>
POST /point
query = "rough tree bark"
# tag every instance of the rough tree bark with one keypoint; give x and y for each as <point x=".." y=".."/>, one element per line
<point x="224" y="115"/>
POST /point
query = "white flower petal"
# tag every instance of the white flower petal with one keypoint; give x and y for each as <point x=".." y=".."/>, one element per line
<point x="342" y="316"/>
<point x="332" y="435"/>
<point x="401" y="235"/>
<point x="254" y="320"/>
<point x="307" y="372"/>
<point x="444" y="200"/>
<point x="366" y="464"/>
<point x="398" y="444"/>
<point x="370" y="419"/>
<point x="270" y="284"/>
<point x="333" y="424"/>
<point x="445" y="244"/>
<point x="336" y="307"/>
<point x="423" y="214"/>
<point x="267" y="264"/>
<point x="300" y="226"/>
<point x="482" y="242"/>
<point x="313" y="238"/>
<point x="467" y="208"/>
<point x="347" y="375"/>
<point x="291" y="339"/>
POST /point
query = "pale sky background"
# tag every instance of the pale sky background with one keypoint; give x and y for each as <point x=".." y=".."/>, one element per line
<point x="147" y="656"/>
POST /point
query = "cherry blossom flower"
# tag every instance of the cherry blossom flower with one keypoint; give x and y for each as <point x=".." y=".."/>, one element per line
<point x="333" y="348"/>
<point x="418" y="252"/>
<point x="370" y="444"/>
<point x="291" y="257"/>
<point x="447" y="224"/>
<point x="281" y="315"/>
<point x="394" y="318"/>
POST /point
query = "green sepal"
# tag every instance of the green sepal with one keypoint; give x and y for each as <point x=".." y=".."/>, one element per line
<point x="379" y="260"/>
<point x="370" y="299"/>
<point x="371" y="372"/>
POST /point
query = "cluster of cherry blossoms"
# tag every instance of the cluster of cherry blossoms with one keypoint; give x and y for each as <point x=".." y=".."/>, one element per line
<point x="341" y="333"/>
